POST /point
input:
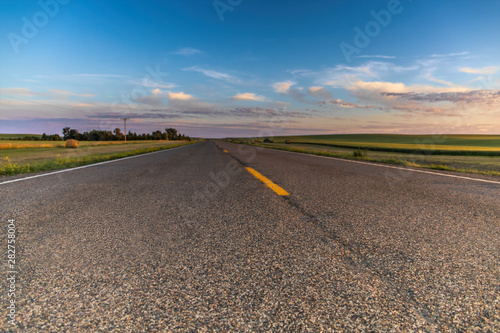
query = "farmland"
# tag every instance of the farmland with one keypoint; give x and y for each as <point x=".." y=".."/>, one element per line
<point x="23" y="144"/>
<point x="452" y="144"/>
<point x="18" y="156"/>
<point x="463" y="153"/>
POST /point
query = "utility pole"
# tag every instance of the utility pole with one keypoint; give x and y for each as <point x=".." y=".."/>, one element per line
<point x="125" y="125"/>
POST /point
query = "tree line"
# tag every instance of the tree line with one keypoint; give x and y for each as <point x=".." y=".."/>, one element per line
<point x="98" y="135"/>
<point x="117" y="135"/>
<point x="44" y="137"/>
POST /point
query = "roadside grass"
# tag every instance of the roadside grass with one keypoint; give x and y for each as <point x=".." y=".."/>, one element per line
<point x="400" y="159"/>
<point x="471" y="145"/>
<point x="8" y="167"/>
<point x="40" y="154"/>
<point x="23" y="144"/>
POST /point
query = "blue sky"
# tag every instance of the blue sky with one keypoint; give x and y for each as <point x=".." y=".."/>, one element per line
<point x="246" y="68"/>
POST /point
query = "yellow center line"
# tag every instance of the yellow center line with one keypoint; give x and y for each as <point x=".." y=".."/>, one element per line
<point x="268" y="182"/>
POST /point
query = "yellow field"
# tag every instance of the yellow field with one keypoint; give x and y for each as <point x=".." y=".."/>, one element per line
<point x="10" y="145"/>
<point x="19" y="144"/>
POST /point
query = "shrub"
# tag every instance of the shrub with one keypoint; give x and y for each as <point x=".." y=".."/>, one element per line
<point x="72" y="143"/>
<point x="359" y="153"/>
<point x="267" y="140"/>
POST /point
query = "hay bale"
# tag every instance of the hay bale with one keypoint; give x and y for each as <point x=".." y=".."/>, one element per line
<point x="72" y="143"/>
<point x="288" y="141"/>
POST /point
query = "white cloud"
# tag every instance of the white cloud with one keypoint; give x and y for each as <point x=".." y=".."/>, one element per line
<point x="100" y="76"/>
<point x="386" y="94"/>
<point x="343" y="104"/>
<point x="319" y="92"/>
<point x="18" y="92"/>
<point x="432" y="79"/>
<point x="483" y="71"/>
<point x="390" y="87"/>
<point x="379" y="86"/>
<point x="213" y="74"/>
<point x="187" y="51"/>
<point x="68" y="93"/>
<point x="484" y="97"/>
<point x="300" y="72"/>
<point x="283" y="87"/>
<point x="249" y="97"/>
<point x="450" y="55"/>
<point x="157" y="96"/>
<point x="341" y="75"/>
<point x="179" y="96"/>
<point x="148" y="83"/>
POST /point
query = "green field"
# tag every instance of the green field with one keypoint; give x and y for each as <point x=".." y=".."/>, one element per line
<point x="427" y="144"/>
<point x="34" y="156"/>
<point x="448" y="140"/>
<point x="462" y="153"/>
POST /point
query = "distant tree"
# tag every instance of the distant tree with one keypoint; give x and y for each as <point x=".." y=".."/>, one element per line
<point x="69" y="133"/>
<point x="85" y="136"/>
<point x="53" y="137"/>
<point x="107" y="136"/>
<point x="73" y="134"/>
<point x="118" y="134"/>
<point x="65" y="133"/>
<point x="157" y="135"/>
<point x="95" y="135"/>
<point x="172" y="134"/>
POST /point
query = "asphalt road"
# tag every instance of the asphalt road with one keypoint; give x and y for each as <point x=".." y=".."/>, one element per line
<point x="188" y="240"/>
